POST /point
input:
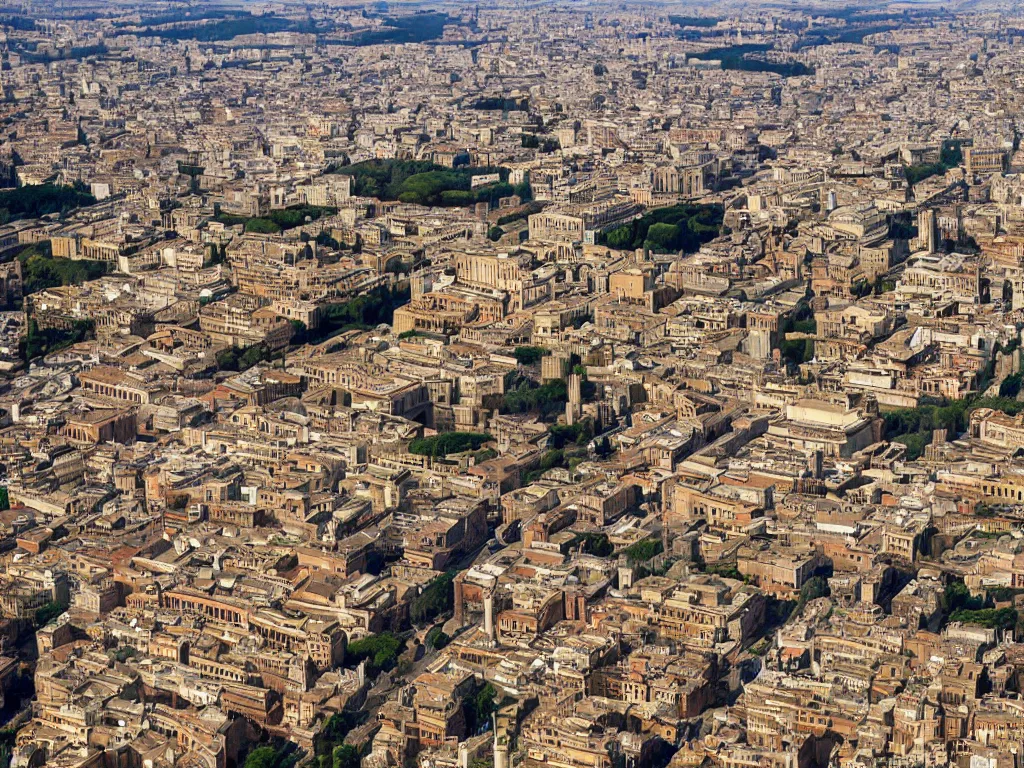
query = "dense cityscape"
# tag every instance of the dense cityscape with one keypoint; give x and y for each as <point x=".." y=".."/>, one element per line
<point x="511" y="384"/>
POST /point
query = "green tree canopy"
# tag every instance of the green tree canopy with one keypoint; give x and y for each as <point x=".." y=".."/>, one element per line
<point x="662" y="237"/>
<point x="693" y="225"/>
<point x="346" y="756"/>
<point x="380" y="652"/>
<point x="529" y="355"/>
<point x="49" y="612"/>
<point x="436" y="598"/>
<point x="448" y="442"/>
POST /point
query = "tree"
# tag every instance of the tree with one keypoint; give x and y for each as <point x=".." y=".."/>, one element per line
<point x="642" y="551"/>
<point x="952" y="155"/>
<point x="262" y="226"/>
<point x="333" y="734"/>
<point x="813" y="588"/>
<point x="48" y="612"/>
<point x="436" y="598"/>
<point x="596" y="544"/>
<point x="580" y="433"/>
<point x="437" y="639"/>
<point x="694" y="225"/>
<point x="918" y="173"/>
<point x="40" y="270"/>
<point x="448" y="442"/>
<point x="39" y="342"/>
<point x="726" y="571"/>
<point x="423" y="183"/>
<point x="620" y="238"/>
<point x="346" y="756"/>
<point x="35" y="200"/>
<point x="324" y="239"/>
<point x="363" y="312"/>
<point x="990" y="618"/>
<point x="957" y="597"/>
<point x="548" y="399"/>
<point x="529" y="355"/>
<point x="237" y="359"/>
<point x="479" y="707"/>
<point x="282" y="756"/>
<point x="797" y="351"/>
<point x="380" y="652"/>
<point x="299" y="332"/>
<point x="551" y="459"/>
<point x="262" y="757"/>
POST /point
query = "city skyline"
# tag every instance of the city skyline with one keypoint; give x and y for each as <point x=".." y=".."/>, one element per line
<point x="511" y="384"/>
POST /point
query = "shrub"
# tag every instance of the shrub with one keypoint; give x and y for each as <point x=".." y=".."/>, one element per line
<point x="529" y="355"/>
<point x="642" y="551"/>
<point x="35" y="200"/>
<point x="448" y="442"/>
<point x="41" y="271"/>
<point x="682" y="227"/>
<point x="39" y="342"/>
<point x="379" y="651"/>
<point x="262" y="227"/>
<point x="48" y="612"/>
<point x="991" y="618"/>
<point x="549" y="399"/>
<point x="436" y="598"/>
<point x="437" y="639"/>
